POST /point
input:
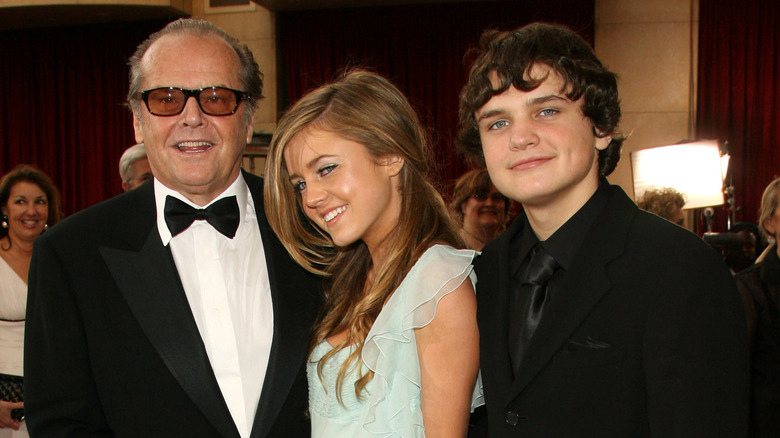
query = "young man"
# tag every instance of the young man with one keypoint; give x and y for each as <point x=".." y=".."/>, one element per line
<point x="636" y="330"/>
<point x="149" y="318"/>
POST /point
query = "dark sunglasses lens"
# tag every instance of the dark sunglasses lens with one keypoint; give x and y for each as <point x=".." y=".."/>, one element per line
<point x="495" y="197"/>
<point x="218" y="101"/>
<point x="164" y="101"/>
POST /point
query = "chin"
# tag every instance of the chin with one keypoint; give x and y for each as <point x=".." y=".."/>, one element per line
<point x="342" y="243"/>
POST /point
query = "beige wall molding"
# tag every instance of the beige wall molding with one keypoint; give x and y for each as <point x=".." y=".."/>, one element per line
<point x="26" y="14"/>
<point x="227" y="6"/>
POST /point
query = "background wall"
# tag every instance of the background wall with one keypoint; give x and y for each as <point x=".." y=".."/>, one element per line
<point x="257" y="29"/>
<point x="652" y="46"/>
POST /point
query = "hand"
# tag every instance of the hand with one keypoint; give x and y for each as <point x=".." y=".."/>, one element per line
<point x="5" y="414"/>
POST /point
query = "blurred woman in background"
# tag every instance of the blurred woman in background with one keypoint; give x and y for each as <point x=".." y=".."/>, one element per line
<point x="30" y="203"/>
<point x="480" y="210"/>
<point x="759" y="286"/>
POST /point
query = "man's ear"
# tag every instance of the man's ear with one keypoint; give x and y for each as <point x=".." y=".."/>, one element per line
<point x="249" y="129"/>
<point x="602" y="140"/>
<point x="393" y="163"/>
<point x="139" y="136"/>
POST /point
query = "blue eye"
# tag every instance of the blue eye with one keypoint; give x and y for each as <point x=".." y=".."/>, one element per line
<point x="548" y="112"/>
<point x="498" y="124"/>
<point x="299" y="186"/>
<point x="326" y="169"/>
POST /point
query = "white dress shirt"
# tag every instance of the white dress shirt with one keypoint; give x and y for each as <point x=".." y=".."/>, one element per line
<point x="227" y="286"/>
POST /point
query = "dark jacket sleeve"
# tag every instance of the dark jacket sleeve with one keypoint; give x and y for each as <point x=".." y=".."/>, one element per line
<point x="60" y="395"/>
<point x="695" y="349"/>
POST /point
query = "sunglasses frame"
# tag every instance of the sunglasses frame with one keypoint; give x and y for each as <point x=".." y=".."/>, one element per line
<point x="240" y="96"/>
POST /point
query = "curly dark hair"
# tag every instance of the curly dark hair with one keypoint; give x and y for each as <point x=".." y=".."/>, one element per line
<point x="508" y="57"/>
<point x="663" y="201"/>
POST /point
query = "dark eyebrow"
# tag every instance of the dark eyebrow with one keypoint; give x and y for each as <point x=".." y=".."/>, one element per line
<point x="548" y="98"/>
<point x="490" y="113"/>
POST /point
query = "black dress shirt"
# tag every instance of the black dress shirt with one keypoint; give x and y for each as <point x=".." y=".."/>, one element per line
<point x="564" y="242"/>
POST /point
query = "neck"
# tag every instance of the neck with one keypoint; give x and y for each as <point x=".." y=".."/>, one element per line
<point x="20" y="247"/>
<point x="378" y="254"/>
<point x="477" y="237"/>
<point x="546" y="217"/>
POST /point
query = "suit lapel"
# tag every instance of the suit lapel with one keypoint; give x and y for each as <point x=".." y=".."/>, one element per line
<point x="493" y="287"/>
<point x="583" y="287"/>
<point x="581" y="290"/>
<point x="149" y="282"/>
<point x="293" y="312"/>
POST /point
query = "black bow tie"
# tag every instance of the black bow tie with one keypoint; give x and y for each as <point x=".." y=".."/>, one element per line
<point x="223" y="215"/>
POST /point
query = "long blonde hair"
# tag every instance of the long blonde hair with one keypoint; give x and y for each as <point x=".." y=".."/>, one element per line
<point x="366" y="108"/>
<point x="769" y="203"/>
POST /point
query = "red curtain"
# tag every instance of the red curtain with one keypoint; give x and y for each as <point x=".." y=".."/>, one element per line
<point x="419" y="47"/>
<point x="739" y="90"/>
<point x="61" y="106"/>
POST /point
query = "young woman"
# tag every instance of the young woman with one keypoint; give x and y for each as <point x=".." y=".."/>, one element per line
<point x="395" y="351"/>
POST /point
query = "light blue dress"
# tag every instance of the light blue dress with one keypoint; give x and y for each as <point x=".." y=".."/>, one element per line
<point x="390" y="406"/>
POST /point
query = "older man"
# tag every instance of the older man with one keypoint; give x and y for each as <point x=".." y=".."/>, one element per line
<point x="173" y="310"/>
<point x="134" y="167"/>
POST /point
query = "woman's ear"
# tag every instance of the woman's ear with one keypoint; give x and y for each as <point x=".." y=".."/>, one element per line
<point x="393" y="163"/>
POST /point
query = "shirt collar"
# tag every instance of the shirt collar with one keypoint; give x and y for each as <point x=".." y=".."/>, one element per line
<point x="238" y="188"/>
<point x="566" y="240"/>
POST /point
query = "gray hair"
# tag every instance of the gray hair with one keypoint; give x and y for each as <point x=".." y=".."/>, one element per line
<point x="249" y="73"/>
<point x="130" y="156"/>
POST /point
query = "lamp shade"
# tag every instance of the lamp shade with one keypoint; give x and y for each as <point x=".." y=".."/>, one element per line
<point x="691" y="168"/>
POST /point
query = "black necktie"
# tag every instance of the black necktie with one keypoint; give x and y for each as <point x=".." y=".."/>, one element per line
<point x="223" y="215"/>
<point x="527" y="302"/>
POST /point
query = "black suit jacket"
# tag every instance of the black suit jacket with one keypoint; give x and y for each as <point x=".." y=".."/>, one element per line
<point x="759" y="286"/>
<point x="112" y="348"/>
<point x="645" y="336"/>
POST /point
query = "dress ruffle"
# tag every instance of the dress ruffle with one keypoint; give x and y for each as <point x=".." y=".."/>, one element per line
<point x="394" y="402"/>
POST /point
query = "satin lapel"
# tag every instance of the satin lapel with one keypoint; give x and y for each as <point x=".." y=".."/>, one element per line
<point x="583" y="287"/>
<point x="150" y="284"/>
<point x="493" y="281"/>
<point x="292" y="316"/>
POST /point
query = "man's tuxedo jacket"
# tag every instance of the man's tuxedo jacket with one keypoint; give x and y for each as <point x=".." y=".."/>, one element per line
<point x="112" y="348"/>
<point x="644" y="336"/>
